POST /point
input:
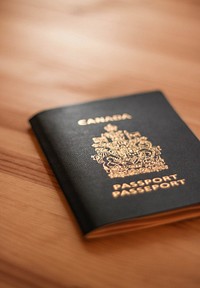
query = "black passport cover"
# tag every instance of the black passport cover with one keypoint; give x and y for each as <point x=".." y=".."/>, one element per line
<point x="89" y="161"/>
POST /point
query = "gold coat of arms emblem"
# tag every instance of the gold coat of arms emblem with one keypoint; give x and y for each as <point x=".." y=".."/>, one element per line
<point x="126" y="154"/>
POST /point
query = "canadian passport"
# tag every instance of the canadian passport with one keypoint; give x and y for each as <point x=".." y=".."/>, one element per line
<point x="124" y="163"/>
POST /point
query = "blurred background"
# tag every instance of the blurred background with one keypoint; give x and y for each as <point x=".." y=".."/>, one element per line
<point x="62" y="52"/>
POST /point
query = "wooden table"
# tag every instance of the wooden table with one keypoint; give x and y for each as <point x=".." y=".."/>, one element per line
<point x="55" y="53"/>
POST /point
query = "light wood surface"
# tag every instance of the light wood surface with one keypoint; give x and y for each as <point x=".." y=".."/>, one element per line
<point x="61" y="52"/>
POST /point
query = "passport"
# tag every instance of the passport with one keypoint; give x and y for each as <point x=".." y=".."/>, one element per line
<point x="124" y="163"/>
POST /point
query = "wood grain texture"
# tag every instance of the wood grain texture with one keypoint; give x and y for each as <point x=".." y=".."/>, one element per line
<point x="61" y="52"/>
